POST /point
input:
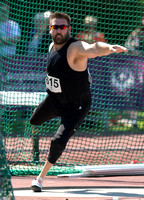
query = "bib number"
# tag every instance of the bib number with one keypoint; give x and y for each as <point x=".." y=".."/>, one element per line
<point x="53" y="84"/>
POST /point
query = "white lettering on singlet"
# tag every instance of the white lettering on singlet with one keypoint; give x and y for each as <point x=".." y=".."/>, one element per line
<point x="53" y="84"/>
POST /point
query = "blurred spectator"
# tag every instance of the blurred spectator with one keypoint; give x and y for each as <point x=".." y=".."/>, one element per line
<point x="39" y="36"/>
<point x="135" y="41"/>
<point x="90" y="34"/>
<point x="9" y="32"/>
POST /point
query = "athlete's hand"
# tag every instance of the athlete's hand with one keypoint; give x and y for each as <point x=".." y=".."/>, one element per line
<point x="118" y="49"/>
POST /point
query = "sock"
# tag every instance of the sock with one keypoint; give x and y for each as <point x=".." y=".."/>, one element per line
<point x="40" y="178"/>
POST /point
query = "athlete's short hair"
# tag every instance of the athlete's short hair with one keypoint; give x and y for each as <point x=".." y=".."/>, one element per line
<point x="60" y="15"/>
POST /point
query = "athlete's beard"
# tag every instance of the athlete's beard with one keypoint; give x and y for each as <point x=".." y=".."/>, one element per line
<point x="60" y="39"/>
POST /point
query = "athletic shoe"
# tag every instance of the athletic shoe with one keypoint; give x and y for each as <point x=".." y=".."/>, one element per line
<point x="37" y="184"/>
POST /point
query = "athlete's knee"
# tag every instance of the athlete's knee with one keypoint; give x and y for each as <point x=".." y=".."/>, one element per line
<point x="57" y="144"/>
<point x="56" y="150"/>
<point x="34" y="121"/>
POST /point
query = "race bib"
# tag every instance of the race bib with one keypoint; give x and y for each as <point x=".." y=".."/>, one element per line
<point x="53" y="84"/>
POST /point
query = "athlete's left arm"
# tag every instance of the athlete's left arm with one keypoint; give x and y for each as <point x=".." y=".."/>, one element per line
<point x="98" y="49"/>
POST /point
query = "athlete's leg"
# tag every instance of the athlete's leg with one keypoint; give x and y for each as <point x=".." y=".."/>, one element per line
<point x="46" y="110"/>
<point x="71" y="121"/>
<point x="45" y="169"/>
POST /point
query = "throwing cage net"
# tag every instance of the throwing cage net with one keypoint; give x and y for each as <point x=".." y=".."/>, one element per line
<point x="6" y="192"/>
<point x="112" y="132"/>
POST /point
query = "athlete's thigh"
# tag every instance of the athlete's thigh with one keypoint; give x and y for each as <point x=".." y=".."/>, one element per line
<point x="71" y="121"/>
<point x="45" y="111"/>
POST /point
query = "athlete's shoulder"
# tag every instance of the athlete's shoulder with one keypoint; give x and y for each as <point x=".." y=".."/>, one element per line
<point x="50" y="46"/>
<point x="78" y="44"/>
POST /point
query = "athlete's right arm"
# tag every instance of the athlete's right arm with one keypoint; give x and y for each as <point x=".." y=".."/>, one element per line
<point x="98" y="49"/>
<point x="79" y="52"/>
<point x="50" y="46"/>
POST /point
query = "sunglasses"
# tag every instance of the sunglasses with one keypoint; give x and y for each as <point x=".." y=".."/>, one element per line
<point x="62" y="27"/>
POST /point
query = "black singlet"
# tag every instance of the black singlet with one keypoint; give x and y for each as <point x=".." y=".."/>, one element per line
<point x="75" y="86"/>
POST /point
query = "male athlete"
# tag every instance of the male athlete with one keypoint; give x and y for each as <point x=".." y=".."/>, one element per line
<point x="67" y="85"/>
